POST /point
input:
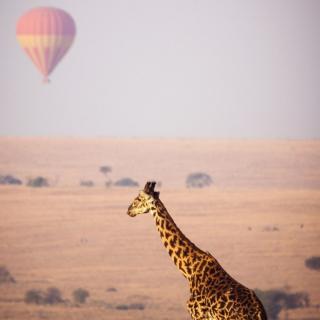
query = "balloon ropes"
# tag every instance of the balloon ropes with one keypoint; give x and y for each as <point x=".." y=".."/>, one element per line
<point x="46" y="35"/>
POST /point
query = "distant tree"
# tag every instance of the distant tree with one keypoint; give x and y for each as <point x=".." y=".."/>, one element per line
<point x="105" y="170"/>
<point x="198" y="180"/>
<point x="313" y="263"/>
<point x="80" y="295"/>
<point x="8" y="179"/>
<point x="38" y="182"/>
<point x="5" y="276"/>
<point x="126" y="182"/>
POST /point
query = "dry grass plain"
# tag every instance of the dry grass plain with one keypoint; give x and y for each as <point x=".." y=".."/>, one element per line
<point x="68" y="236"/>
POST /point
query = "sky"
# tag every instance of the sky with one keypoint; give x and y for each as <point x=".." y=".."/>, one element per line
<point x="169" y="68"/>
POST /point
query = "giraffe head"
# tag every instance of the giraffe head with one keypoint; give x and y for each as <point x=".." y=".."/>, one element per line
<point x="145" y="202"/>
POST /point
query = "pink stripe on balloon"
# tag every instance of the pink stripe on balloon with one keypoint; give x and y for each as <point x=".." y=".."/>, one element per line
<point x="54" y="59"/>
<point x="46" y="21"/>
<point x="58" y="56"/>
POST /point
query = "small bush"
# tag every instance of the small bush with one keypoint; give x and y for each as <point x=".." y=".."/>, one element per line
<point x="108" y="183"/>
<point x="111" y="289"/>
<point x="80" y="295"/>
<point x="297" y="300"/>
<point x="38" y="182"/>
<point x="34" y="296"/>
<point x="126" y="182"/>
<point x="5" y="276"/>
<point x="313" y="263"/>
<point x="8" y="179"/>
<point x="198" y="180"/>
<point x="275" y="300"/>
<point x="86" y="183"/>
<point x="53" y="296"/>
<point x="270" y="228"/>
<point x="122" y="307"/>
<point x="137" y="306"/>
<point x="133" y="306"/>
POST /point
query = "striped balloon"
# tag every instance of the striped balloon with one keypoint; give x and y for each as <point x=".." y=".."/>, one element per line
<point x="46" y="34"/>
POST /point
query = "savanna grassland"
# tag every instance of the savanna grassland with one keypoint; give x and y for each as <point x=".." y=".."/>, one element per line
<point x="260" y="219"/>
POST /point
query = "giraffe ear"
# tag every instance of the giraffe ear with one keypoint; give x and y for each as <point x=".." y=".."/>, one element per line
<point x="156" y="194"/>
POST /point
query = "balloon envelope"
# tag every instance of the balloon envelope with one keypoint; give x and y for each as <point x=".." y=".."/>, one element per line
<point x="46" y="35"/>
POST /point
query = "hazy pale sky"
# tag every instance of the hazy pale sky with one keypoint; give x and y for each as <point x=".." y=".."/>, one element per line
<point x="169" y="68"/>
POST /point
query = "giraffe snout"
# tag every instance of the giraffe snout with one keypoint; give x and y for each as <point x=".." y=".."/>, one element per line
<point x="130" y="212"/>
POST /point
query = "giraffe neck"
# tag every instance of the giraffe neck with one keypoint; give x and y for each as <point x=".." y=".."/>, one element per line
<point x="185" y="254"/>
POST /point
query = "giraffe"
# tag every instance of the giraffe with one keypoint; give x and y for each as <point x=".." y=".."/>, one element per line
<point x="214" y="294"/>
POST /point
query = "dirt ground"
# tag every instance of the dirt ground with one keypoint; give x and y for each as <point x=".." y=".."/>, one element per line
<point x="260" y="219"/>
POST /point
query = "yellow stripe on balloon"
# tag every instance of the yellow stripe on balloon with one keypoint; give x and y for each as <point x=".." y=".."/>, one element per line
<point x="33" y="57"/>
<point x="44" y="41"/>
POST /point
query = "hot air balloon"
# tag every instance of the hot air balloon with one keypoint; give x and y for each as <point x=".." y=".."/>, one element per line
<point x="46" y="35"/>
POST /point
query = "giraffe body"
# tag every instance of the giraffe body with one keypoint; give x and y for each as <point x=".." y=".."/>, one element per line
<point x="214" y="294"/>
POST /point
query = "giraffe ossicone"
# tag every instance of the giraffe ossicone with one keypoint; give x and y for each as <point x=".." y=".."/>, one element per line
<point x="214" y="294"/>
<point x="149" y="187"/>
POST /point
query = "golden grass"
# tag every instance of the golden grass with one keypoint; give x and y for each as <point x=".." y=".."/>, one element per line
<point x="70" y="237"/>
